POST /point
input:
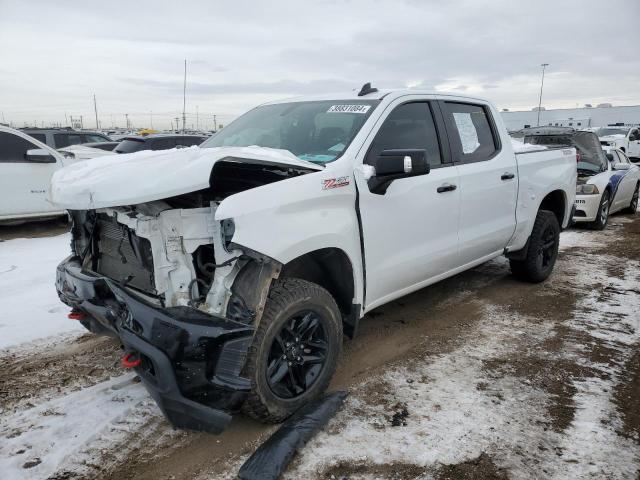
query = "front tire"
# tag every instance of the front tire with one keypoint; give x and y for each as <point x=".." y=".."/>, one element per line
<point x="295" y="350"/>
<point x="542" y="251"/>
<point x="602" y="216"/>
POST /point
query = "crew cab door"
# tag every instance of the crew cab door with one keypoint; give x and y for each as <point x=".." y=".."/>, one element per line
<point x="410" y="232"/>
<point x="24" y="184"/>
<point x="488" y="180"/>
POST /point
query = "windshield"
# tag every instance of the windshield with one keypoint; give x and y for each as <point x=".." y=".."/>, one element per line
<point x="314" y="131"/>
<point x="604" y="132"/>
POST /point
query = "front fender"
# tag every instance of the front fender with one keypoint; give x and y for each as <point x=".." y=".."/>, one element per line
<point x="287" y="219"/>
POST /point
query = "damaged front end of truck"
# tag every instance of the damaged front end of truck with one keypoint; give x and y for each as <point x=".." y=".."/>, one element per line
<point x="163" y="275"/>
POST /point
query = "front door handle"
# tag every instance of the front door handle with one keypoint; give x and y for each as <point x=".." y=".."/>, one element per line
<point x="507" y="176"/>
<point x="447" y="187"/>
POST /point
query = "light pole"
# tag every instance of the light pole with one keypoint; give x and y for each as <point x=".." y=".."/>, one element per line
<point x="544" y="66"/>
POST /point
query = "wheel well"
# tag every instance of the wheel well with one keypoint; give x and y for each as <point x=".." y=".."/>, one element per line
<point x="555" y="202"/>
<point x="331" y="269"/>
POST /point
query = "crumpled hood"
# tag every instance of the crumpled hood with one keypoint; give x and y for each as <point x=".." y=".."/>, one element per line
<point x="129" y="179"/>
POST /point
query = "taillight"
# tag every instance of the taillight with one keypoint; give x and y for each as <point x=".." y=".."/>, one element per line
<point x="578" y="157"/>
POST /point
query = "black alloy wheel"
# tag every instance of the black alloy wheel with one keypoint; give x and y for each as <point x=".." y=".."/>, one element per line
<point x="297" y="355"/>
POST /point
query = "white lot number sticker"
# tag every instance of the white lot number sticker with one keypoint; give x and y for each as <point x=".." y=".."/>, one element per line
<point x="349" y="109"/>
<point x="467" y="131"/>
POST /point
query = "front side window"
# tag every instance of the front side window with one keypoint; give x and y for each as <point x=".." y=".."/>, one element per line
<point x="623" y="157"/>
<point x="66" y="139"/>
<point x="13" y="149"/>
<point x="409" y="126"/>
<point x="318" y="132"/>
<point x="471" y="136"/>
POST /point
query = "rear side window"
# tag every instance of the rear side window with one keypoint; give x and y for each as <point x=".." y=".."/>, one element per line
<point x="409" y="126"/>
<point x="163" y="143"/>
<point x="470" y="133"/>
<point x="66" y="139"/>
<point x="41" y="137"/>
<point x="130" y="145"/>
<point x="13" y="149"/>
<point x="190" y="141"/>
<point x="92" y="138"/>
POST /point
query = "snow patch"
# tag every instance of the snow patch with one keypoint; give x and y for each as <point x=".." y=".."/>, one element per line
<point x="63" y="434"/>
<point x="29" y="303"/>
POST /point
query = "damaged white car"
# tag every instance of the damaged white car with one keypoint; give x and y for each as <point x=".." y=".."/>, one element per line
<point x="230" y="272"/>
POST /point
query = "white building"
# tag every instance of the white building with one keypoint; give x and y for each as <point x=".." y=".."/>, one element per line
<point x="599" y="116"/>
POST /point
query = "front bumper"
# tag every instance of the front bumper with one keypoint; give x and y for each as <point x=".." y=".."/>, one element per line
<point x="586" y="208"/>
<point x="191" y="361"/>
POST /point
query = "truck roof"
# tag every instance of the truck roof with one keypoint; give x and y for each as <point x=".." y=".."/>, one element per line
<point x="375" y="94"/>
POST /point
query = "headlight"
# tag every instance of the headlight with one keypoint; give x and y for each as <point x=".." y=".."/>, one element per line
<point x="587" y="189"/>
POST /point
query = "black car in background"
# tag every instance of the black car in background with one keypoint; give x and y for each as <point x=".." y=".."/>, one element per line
<point x="158" y="141"/>
<point x="64" y="137"/>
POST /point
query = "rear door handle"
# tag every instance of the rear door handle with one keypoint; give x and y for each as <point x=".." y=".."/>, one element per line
<point x="447" y="187"/>
<point x="507" y="176"/>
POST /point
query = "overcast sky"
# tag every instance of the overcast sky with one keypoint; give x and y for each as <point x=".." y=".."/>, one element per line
<point x="54" y="55"/>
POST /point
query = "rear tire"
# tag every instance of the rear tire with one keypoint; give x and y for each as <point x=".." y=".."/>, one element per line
<point x="602" y="216"/>
<point x="633" y="206"/>
<point x="542" y="251"/>
<point x="295" y="350"/>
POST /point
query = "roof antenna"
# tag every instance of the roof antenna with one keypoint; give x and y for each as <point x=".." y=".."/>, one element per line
<point x="366" y="90"/>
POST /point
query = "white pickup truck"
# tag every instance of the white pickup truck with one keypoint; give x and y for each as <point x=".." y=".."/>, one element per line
<point x="626" y="139"/>
<point x="230" y="271"/>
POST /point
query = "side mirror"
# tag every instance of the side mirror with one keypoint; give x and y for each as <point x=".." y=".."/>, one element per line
<point x="392" y="165"/>
<point x="621" y="166"/>
<point x="39" y="155"/>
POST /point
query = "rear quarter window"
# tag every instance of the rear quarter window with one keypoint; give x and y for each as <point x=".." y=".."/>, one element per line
<point x="470" y="131"/>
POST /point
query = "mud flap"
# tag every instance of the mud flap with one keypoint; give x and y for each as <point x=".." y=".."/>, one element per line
<point x="272" y="457"/>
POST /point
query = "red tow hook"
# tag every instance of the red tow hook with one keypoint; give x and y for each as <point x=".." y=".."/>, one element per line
<point x="76" y="314"/>
<point x="130" y="360"/>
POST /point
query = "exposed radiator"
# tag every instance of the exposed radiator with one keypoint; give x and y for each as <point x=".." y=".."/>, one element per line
<point x="123" y="255"/>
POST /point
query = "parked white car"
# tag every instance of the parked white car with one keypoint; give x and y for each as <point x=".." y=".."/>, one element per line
<point x="599" y="194"/>
<point x="626" y="139"/>
<point x="26" y="167"/>
<point x="230" y="271"/>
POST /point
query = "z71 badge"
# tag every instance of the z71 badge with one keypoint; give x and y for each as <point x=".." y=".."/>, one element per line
<point x="335" y="182"/>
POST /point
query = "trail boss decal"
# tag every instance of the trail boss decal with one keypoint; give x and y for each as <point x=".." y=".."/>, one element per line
<point x="349" y="108"/>
<point x="335" y="182"/>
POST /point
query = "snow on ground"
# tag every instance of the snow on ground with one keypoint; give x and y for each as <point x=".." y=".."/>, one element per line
<point x="578" y="239"/>
<point x="68" y="433"/>
<point x="457" y="412"/>
<point x="29" y="306"/>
